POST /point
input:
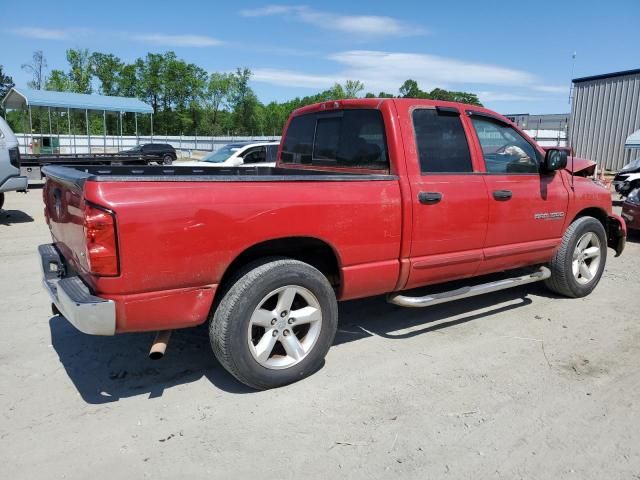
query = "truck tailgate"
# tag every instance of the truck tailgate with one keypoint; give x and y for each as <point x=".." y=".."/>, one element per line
<point x="64" y="213"/>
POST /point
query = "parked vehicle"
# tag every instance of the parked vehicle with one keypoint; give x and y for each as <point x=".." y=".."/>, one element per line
<point x="161" y="153"/>
<point x="10" y="178"/>
<point x="631" y="210"/>
<point x="628" y="178"/>
<point x="252" y="154"/>
<point x="369" y="197"/>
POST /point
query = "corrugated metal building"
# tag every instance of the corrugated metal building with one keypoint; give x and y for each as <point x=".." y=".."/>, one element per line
<point x="604" y="112"/>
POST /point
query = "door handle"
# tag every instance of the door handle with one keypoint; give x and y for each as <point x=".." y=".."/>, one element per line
<point x="502" y="194"/>
<point x="429" y="198"/>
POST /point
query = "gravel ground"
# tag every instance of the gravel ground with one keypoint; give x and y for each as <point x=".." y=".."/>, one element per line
<point x="517" y="384"/>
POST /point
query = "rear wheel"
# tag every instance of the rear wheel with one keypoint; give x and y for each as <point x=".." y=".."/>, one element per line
<point x="578" y="264"/>
<point x="166" y="160"/>
<point x="1" y="200"/>
<point x="275" y="325"/>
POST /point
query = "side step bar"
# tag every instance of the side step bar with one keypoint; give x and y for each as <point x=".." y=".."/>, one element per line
<point x="466" y="292"/>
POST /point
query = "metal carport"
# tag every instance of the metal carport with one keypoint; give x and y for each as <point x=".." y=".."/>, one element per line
<point x="19" y="98"/>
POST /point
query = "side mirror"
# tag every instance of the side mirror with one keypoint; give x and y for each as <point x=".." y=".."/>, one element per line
<point x="555" y="159"/>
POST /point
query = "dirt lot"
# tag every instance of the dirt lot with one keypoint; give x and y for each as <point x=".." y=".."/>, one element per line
<point x="518" y="384"/>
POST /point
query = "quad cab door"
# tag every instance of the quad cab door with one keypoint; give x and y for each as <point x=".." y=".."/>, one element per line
<point x="449" y="197"/>
<point x="526" y="207"/>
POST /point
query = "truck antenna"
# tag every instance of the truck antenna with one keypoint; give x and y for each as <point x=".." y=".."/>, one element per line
<point x="571" y="115"/>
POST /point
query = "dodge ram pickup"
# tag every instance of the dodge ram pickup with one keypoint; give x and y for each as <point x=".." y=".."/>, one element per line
<point x="368" y="197"/>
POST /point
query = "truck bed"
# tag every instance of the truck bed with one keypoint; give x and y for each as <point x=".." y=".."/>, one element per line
<point x="78" y="174"/>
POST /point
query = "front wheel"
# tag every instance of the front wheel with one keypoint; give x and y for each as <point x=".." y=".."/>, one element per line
<point x="275" y="325"/>
<point x="577" y="266"/>
<point x="1" y="200"/>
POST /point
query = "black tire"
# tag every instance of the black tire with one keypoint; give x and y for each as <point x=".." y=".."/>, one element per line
<point x="229" y="325"/>
<point x="166" y="160"/>
<point x="562" y="280"/>
<point x="1" y="200"/>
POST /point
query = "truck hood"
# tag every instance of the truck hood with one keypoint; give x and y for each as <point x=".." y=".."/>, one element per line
<point x="580" y="166"/>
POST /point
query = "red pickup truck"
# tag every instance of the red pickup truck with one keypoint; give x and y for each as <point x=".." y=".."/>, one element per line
<point x="369" y="197"/>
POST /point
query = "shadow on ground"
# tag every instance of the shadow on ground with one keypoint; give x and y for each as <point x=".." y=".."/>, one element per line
<point x="13" y="217"/>
<point x="106" y="369"/>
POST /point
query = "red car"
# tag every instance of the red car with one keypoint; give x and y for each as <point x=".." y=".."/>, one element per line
<point x="369" y="197"/>
<point x="631" y="210"/>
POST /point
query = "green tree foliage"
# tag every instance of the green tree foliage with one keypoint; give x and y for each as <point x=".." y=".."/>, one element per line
<point x="80" y="70"/>
<point x="107" y="68"/>
<point x="187" y="100"/>
<point x="410" y="89"/>
<point x="6" y="84"/>
<point x="58" y="81"/>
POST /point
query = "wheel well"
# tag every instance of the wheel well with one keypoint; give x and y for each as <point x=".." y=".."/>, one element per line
<point x="596" y="213"/>
<point x="315" y="252"/>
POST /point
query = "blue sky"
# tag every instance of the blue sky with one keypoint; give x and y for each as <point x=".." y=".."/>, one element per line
<point x="515" y="55"/>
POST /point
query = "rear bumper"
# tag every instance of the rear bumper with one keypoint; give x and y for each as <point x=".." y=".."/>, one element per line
<point x="13" y="184"/>
<point x="88" y="313"/>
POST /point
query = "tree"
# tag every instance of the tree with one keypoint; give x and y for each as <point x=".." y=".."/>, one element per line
<point x="36" y="68"/>
<point x="107" y="68"/>
<point x="218" y="93"/>
<point x="409" y="89"/>
<point x="352" y="88"/>
<point x="6" y="84"/>
<point x="452" y="96"/>
<point x="58" y="81"/>
<point x="79" y="70"/>
<point x="244" y="103"/>
<point x="149" y="75"/>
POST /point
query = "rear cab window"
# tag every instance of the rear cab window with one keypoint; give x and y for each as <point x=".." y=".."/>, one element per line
<point x="351" y="138"/>
<point x="441" y="142"/>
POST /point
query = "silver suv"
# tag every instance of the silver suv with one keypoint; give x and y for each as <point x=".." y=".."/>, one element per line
<point x="10" y="179"/>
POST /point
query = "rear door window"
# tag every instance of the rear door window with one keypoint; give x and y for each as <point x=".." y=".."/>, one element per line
<point x="272" y="153"/>
<point x="441" y="142"/>
<point x="347" y="138"/>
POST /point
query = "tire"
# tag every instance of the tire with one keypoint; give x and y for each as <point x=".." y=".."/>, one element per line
<point x="166" y="160"/>
<point x="564" y="279"/>
<point x="248" y="329"/>
<point x="1" y="200"/>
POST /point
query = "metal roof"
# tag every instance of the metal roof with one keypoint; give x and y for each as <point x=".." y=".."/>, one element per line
<point x="606" y="75"/>
<point x="633" y="140"/>
<point x="20" y="97"/>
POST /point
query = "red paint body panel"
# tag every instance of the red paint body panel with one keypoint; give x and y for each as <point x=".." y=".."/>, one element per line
<point x="631" y="215"/>
<point x="177" y="239"/>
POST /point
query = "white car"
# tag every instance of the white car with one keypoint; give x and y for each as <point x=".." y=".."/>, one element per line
<point x="255" y="154"/>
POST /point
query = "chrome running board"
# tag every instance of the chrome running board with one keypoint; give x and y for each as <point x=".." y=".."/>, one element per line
<point x="466" y="292"/>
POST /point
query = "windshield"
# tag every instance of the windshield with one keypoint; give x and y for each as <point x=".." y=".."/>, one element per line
<point x="631" y="165"/>
<point x="221" y="155"/>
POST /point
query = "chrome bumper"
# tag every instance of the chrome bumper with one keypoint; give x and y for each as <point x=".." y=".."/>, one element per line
<point x="88" y="313"/>
<point x="15" y="184"/>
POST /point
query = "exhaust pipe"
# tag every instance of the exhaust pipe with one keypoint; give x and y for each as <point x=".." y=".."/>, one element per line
<point x="159" y="345"/>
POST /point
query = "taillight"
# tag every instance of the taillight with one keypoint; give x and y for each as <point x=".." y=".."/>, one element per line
<point x="14" y="157"/>
<point x="100" y="238"/>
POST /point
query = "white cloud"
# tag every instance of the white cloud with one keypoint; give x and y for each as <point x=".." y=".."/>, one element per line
<point x="551" y="89"/>
<point x="288" y="78"/>
<point x="387" y="71"/>
<point x="177" y="40"/>
<point x="366" y="25"/>
<point x="41" y="33"/>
